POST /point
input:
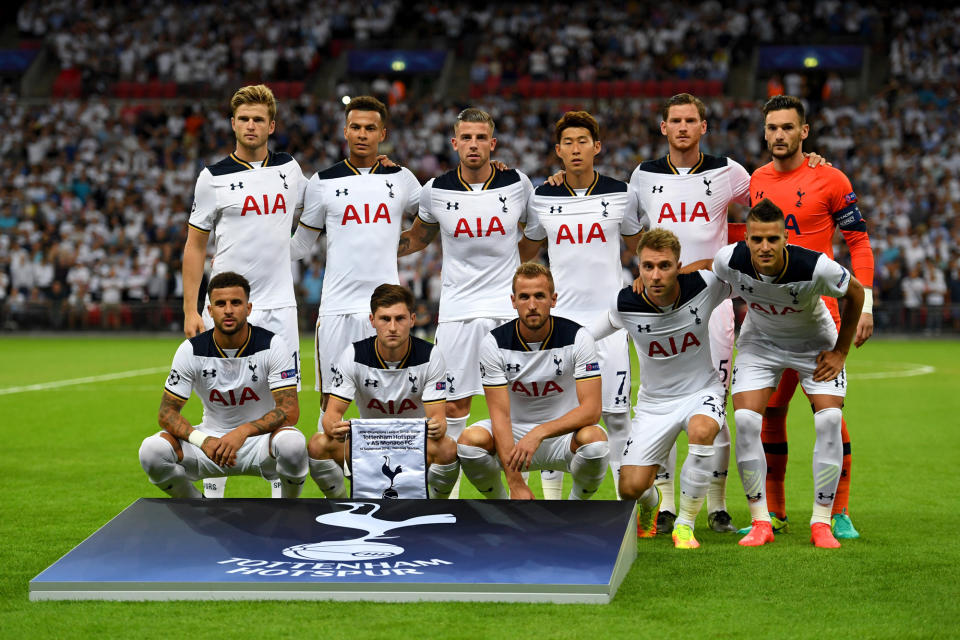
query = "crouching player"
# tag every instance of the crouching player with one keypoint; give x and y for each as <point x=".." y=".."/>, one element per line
<point x="389" y="375"/>
<point x="669" y="322"/>
<point x="541" y="379"/>
<point x="788" y="326"/>
<point x="246" y="378"/>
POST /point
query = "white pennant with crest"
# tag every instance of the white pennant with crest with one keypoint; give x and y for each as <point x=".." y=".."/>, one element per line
<point x="388" y="458"/>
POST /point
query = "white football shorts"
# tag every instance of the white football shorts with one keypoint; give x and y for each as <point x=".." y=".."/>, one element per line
<point x="656" y="424"/>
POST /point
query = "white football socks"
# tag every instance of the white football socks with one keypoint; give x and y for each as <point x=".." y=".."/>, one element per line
<point x="694" y="480"/>
<point x="329" y="477"/>
<point x="455" y="427"/>
<point x="717" y="491"/>
<point x="483" y="471"/>
<point x="665" y="481"/>
<point x="441" y="479"/>
<point x="618" y="431"/>
<point x="827" y="462"/>
<point x="160" y="463"/>
<point x="552" y="484"/>
<point x="588" y="469"/>
<point x="751" y="462"/>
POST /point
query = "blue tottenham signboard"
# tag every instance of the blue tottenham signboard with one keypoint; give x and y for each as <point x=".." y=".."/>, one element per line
<point x="396" y="550"/>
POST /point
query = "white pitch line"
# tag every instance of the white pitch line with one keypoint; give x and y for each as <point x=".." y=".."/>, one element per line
<point x="43" y="386"/>
<point x="916" y="370"/>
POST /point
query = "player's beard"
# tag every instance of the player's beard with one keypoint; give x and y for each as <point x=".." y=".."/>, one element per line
<point x="792" y="149"/>
<point x="240" y="326"/>
<point x="543" y="320"/>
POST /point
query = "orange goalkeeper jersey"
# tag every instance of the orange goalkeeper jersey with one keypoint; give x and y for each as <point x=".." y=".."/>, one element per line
<point x="815" y="202"/>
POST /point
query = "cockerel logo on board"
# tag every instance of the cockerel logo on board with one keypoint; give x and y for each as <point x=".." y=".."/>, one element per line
<point x="360" y="515"/>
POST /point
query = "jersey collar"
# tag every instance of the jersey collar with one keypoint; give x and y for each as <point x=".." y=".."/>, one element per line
<point x="693" y="169"/>
<point x="350" y="166"/>
<point x="593" y="185"/>
<point x="241" y="350"/>
<point x="486" y="185"/>
<point x="403" y="362"/>
<point x="656" y="308"/>
<point x="244" y="163"/>
<point x="523" y="343"/>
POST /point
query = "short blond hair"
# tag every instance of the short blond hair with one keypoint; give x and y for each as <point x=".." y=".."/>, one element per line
<point x="532" y="270"/>
<point x="660" y="239"/>
<point x="474" y="115"/>
<point x="255" y="94"/>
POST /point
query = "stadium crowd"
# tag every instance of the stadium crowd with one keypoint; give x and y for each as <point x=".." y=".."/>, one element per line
<point x="198" y="45"/>
<point x="96" y="193"/>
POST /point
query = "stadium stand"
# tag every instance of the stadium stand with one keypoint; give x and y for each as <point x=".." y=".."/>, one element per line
<point x="97" y="180"/>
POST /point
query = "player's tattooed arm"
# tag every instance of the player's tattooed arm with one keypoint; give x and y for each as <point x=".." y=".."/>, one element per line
<point x="170" y="419"/>
<point x="286" y="411"/>
<point x="416" y="237"/>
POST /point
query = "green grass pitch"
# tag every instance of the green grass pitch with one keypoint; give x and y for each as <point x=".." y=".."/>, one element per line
<point x="69" y="464"/>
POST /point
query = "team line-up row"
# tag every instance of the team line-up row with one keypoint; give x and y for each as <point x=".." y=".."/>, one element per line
<point x="490" y="218"/>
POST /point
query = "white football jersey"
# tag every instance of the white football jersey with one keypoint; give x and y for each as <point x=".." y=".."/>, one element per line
<point x="382" y="391"/>
<point x="480" y="231"/>
<point x="251" y="212"/>
<point x="673" y="346"/>
<point x="693" y="205"/>
<point x="237" y="389"/>
<point x="541" y="382"/>
<point x="786" y="310"/>
<point x="583" y="242"/>
<point x="362" y="213"/>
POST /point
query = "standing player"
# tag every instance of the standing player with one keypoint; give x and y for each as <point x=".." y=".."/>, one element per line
<point x="689" y="192"/>
<point x="581" y="221"/>
<point x="477" y="208"/>
<point x="389" y="375"/>
<point x="541" y="379"/>
<point x="250" y="200"/>
<point x="360" y="204"/>
<point x="246" y="378"/>
<point x="680" y="391"/>
<point x="815" y="203"/>
<point x="788" y="326"/>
